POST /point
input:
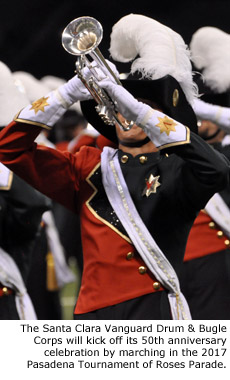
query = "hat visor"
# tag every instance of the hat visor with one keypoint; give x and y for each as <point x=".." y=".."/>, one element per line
<point x="161" y="91"/>
<point x="91" y="115"/>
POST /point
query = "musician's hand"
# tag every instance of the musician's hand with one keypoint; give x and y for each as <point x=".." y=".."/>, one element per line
<point x="74" y="91"/>
<point x="101" y="72"/>
<point x="126" y="104"/>
<point x="213" y="112"/>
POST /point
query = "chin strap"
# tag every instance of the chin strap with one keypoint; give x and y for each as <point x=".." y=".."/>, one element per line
<point x="135" y="144"/>
<point x="207" y="138"/>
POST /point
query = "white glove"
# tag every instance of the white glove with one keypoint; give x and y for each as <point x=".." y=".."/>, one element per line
<point x="74" y="90"/>
<point x="101" y="71"/>
<point x="217" y="114"/>
<point x="46" y="111"/>
<point x="162" y="130"/>
<point x="126" y="104"/>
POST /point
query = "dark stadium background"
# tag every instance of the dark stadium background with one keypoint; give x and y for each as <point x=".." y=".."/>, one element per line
<point x="30" y="40"/>
<point x="30" y="31"/>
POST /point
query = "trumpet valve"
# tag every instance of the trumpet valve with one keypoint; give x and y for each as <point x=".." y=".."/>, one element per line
<point x="104" y="114"/>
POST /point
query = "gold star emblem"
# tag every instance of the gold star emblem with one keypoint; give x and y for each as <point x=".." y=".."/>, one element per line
<point x="39" y="105"/>
<point x="166" y="125"/>
<point x="151" y="185"/>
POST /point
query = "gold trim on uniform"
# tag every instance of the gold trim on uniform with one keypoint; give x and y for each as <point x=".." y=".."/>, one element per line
<point x="156" y="285"/>
<point x="149" y="248"/>
<point x="212" y="225"/>
<point x="92" y="210"/>
<point x="175" y="97"/>
<point x="130" y="256"/>
<point x="186" y="141"/>
<point x="9" y="184"/>
<point x="143" y="159"/>
<point x="24" y="121"/>
<point x="124" y="159"/>
<point x="5" y="291"/>
<point x="51" y="278"/>
<point x="142" y="269"/>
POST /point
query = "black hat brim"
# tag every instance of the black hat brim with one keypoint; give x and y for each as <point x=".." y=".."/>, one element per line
<point x="211" y="96"/>
<point x="161" y="91"/>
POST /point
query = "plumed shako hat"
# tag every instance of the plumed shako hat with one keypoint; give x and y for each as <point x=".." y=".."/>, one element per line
<point x="210" y="50"/>
<point x="161" y="70"/>
<point x="12" y="96"/>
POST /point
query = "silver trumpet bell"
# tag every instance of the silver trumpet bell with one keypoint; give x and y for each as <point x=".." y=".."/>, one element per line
<point x="81" y="37"/>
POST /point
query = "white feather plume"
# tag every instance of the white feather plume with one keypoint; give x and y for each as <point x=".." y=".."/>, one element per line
<point x="12" y="99"/>
<point x="52" y="82"/>
<point x="161" y="51"/>
<point x="33" y="87"/>
<point x="210" y="49"/>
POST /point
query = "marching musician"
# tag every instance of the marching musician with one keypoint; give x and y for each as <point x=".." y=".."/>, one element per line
<point x="205" y="277"/>
<point x="21" y="210"/>
<point x="137" y="203"/>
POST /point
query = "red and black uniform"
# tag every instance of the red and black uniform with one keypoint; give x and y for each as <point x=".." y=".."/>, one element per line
<point x="113" y="272"/>
<point x="21" y="209"/>
<point x="205" y="276"/>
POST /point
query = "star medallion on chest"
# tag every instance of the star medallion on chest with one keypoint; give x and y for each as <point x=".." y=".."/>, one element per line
<point x="39" y="105"/>
<point x="151" y="185"/>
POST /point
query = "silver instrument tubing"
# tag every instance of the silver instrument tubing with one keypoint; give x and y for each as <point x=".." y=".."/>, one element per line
<point x="81" y="37"/>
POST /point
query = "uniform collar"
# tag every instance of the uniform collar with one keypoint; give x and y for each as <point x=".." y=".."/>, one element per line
<point x="143" y="159"/>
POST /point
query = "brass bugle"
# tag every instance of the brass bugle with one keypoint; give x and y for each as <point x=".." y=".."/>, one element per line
<point x="81" y="37"/>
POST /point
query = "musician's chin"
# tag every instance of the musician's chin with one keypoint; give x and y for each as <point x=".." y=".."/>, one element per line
<point x="134" y="134"/>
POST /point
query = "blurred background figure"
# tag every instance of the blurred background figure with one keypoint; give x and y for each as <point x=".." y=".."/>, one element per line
<point x="71" y="133"/>
<point x="68" y="129"/>
<point x="21" y="210"/>
<point x="72" y="122"/>
<point x="49" y="270"/>
<point x="65" y="135"/>
<point x="205" y="279"/>
<point x="60" y="228"/>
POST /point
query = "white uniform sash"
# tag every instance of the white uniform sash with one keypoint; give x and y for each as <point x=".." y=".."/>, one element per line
<point x="121" y="201"/>
<point x="6" y="177"/>
<point x="219" y="212"/>
<point x="10" y="276"/>
<point x="63" y="273"/>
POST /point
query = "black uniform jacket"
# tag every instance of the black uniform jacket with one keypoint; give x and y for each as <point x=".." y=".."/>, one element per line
<point x="189" y="175"/>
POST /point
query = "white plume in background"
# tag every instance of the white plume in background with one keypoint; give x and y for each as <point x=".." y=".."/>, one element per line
<point x="159" y="50"/>
<point x="52" y="82"/>
<point x="33" y="87"/>
<point x="12" y="99"/>
<point x="210" y="49"/>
